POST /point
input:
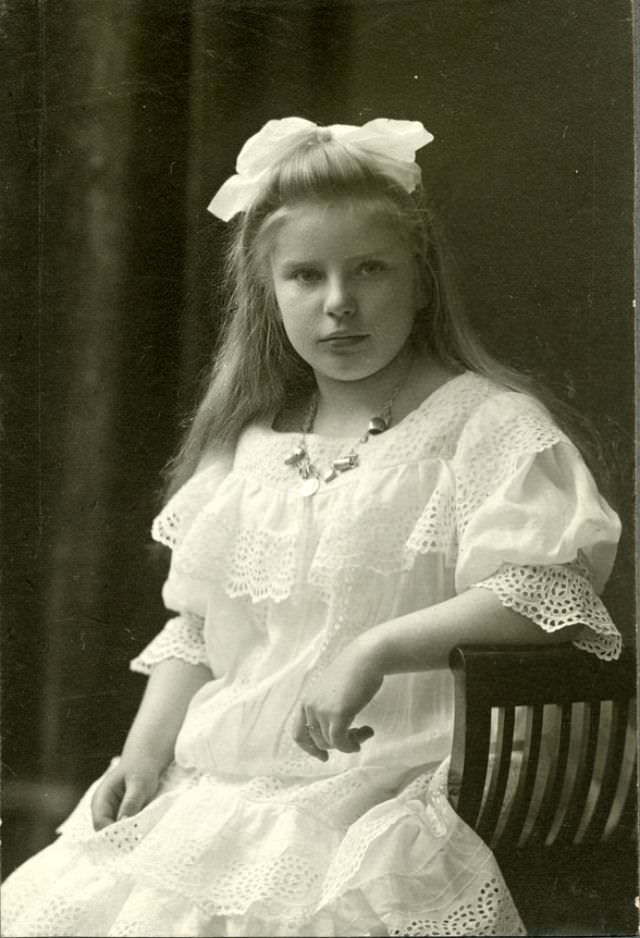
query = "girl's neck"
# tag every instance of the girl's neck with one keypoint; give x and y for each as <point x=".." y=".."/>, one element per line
<point x="344" y="407"/>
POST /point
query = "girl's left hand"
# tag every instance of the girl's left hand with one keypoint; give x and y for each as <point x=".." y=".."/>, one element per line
<point x="343" y="689"/>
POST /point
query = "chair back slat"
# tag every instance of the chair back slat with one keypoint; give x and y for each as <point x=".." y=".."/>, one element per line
<point x="570" y="778"/>
<point x="598" y="775"/>
<point x="545" y="777"/>
<point x="623" y="808"/>
<point x="585" y="725"/>
<point x="469" y="761"/>
<point x="607" y="770"/>
<point x="513" y="821"/>
<point x="557" y="774"/>
<point x="499" y="768"/>
<point x="474" y="770"/>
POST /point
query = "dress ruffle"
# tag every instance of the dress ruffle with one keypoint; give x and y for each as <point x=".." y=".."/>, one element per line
<point x="221" y="855"/>
<point x="487" y="481"/>
<point x="248" y="538"/>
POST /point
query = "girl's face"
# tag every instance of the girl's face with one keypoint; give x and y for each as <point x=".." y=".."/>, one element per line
<point x="346" y="286"/>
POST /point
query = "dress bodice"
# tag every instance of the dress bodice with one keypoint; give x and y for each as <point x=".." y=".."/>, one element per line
<point x="476" y="487"/>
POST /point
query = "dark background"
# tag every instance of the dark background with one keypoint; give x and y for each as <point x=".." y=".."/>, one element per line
<point x="122" y="119"/>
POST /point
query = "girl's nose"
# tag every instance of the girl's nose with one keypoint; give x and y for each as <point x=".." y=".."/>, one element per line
<point x="339" y="299"/>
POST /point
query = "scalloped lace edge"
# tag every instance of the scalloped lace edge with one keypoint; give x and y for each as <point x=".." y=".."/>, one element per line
<point x="182" y="637"/>
<point x="555" y="597"/>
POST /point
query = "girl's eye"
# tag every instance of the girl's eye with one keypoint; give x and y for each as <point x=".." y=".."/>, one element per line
<point x="370" y="268"/>
<point x="306" y="275"/>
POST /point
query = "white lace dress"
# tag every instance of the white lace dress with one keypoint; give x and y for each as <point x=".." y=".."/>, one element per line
<point x="248" y="834"/>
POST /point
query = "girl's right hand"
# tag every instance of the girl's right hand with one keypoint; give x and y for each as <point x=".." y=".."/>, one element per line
<point x="125" y="789"/>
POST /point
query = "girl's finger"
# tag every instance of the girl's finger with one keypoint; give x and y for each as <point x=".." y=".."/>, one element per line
<point x="102" y="816"/>
<point x="361" y="734"/>
<point x="316" y="732"/>
<point x="136" y="797"/>
<point x="349" y="740"/>
<point x="304" y="739"/>
<point x="342" y="738"/>
<point x="105" y="803"/>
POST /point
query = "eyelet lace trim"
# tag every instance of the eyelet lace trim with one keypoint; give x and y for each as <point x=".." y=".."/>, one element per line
<point x="445" y="467"/>
<point x="431" y="431"/>
<point x="487" y="910"/>
<point x="293" y="871"/>
<point x="177" y="516"/>
<point x="555" y="597"/>
<point x="260" y="455"/>
<point x="182" y="637"/>
<point x="439" y="498"/>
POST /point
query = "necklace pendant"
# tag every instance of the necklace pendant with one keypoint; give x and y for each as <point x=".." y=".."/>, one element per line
<point x="300" y="460"/>
<point x="345" y="463"/>
<point x="296" y="456"/>
<point x="377" y="425"/>
<point x="309" y="486"/>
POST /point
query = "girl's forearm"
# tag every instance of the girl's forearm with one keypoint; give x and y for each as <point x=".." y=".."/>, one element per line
<point x="170" y="687"/>
<point x="422" y="640"/>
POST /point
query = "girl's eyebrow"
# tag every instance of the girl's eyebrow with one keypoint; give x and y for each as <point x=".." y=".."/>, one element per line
<point x="367" y="254"/>
<point x="311" y="261"/>
<point x="289" y="263"/>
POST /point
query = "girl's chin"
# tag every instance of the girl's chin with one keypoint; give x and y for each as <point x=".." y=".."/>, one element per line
<point x="349" y="375"/>
<point x="352" y="368"/>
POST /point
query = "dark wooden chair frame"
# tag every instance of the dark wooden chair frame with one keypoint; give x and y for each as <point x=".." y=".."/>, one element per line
<point x="543" y="767"/>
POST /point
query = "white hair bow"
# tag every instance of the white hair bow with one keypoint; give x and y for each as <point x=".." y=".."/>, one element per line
<point x="394" y="141"/>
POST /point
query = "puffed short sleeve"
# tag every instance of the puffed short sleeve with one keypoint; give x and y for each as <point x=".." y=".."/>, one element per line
<point x="182" y="636"/>
<point x="531" y="523"/>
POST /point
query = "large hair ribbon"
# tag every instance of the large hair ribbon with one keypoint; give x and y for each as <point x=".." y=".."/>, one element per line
<point x="394" y="142"/>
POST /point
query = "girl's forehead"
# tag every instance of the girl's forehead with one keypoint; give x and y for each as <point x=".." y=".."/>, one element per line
<point x="314" y="223"/>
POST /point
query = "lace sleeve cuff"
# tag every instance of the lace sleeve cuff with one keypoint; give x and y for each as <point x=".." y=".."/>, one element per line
<point x="555" y="597"/>
<point x="181" y="638"/>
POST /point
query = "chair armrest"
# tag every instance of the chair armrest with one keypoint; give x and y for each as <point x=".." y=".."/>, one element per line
<point x="517" y="675"/>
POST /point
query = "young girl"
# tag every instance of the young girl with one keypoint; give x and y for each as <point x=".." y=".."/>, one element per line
<point x="362" y="489"/>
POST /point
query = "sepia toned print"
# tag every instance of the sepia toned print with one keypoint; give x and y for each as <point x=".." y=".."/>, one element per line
<point x="379" y="401"/>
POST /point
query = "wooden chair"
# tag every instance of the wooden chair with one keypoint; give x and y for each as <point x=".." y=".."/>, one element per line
<point x="543" y="767"/>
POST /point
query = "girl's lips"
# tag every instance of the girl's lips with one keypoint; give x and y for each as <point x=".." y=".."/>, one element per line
<point x="343" y="341"/>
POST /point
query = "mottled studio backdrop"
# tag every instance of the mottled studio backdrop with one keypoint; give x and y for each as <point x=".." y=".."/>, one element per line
<point x="122" y="119"/>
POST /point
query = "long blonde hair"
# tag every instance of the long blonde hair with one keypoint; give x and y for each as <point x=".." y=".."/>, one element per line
<point x="256" y="371"/>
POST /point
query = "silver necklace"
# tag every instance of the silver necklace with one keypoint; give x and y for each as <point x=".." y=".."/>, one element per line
<point x="301" y="460"/>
